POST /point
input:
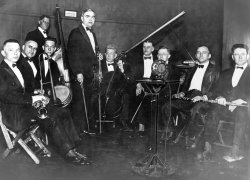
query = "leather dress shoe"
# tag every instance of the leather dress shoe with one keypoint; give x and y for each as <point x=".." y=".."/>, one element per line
<point x="77" y="161"/>
<point x="80" y="155"/>
<point x="85" y="162"/>
<point x="73" y="159"/>
<point x="83" y="157"/>
<point x="90" y="132"/>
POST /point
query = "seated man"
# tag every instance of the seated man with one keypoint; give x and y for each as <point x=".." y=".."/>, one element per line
<point x="46" y="61"/>
<point x="233" y="86"/>
<point x="196" y="86"/>
<point x="116" y="77"/>
<point x="171" y="74"/>
<point x="17" y="101"/>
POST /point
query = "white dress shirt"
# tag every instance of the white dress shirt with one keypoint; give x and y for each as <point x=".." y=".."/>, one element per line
<point x="46" y="65"/>
<point x="148" y="67"/>
<point x="91" y="37"/>
<point x="110" y="67"/>
<point x="43" y="32"/>
<point x="237" y="74"/>
<point x="197" y="79"/>
<point x="17" y="72"/>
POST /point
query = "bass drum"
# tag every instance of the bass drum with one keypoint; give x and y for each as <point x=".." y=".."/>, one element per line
<point x="64" y="94"/>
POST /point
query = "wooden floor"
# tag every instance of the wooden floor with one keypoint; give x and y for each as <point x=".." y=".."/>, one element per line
<point x="115" y="154"/>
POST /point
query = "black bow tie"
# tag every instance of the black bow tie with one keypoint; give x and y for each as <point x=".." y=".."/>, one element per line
<point x="89" y="29"/>
<point x="109" y="64"/>
<point x="147" y="57"/>
<point x="44" y="32"/>
<point x="13" y="65"/>
<point x="28" y="59"/>
<point x="239" y="67"/>
<point x="200" y="66"/>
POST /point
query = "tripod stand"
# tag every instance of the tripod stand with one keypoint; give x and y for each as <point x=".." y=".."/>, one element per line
<point x="152" y="165"/>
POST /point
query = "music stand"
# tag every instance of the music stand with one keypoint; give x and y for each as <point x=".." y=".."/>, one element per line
<point x="152" y="165"/>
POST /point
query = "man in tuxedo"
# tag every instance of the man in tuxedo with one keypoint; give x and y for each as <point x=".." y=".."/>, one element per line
<point x="116" y="76"/>
<point x="82" y="49"/>
<point x="26" y="63"/>
<point x="46" y="61"/>
<point x="233" y="86"/>
<point x="39" y="34"/>
<point x="17" y="99"/>
<point x="143" y="71"/>
<point x="197" y="85"/>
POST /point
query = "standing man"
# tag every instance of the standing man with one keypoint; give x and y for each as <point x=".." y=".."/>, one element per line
<point x="82" y="50"/>
<point x="40" y="33"/>
<point x="233" y="86"/>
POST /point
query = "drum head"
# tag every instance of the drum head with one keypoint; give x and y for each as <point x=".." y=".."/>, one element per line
<point x="64" y="94"/>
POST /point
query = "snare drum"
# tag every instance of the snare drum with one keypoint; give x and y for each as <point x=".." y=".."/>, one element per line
<point x="64" y="94"/>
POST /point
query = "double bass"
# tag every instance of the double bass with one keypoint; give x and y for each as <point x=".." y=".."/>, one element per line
<point x="63" y="92"/>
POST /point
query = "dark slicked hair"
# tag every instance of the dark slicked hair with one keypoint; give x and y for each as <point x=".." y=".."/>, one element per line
<point x="87" y="10"/>
<point x="10" y="41"/>
<point x="164" y="47"/>
<point x="29" y="39"/>
<point x="44" y="16"/>
<point x="242" y="46"/>
<point x="111" y="46"/>
<point x="50" y="39"/>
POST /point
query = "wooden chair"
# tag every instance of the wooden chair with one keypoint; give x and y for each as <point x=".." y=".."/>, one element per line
<point x="26" y="139"/>
<point x="225" y="130"/>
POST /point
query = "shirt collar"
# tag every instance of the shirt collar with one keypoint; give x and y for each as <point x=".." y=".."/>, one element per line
<point x="151" y="56"/>
<point x="84" y="26"/>
<point x="9" y="63"/>
<point x="41" y="30"/>
<point x="244" y="66"/>
<point x="24" y="55"/>
<point x="205" y="64"/>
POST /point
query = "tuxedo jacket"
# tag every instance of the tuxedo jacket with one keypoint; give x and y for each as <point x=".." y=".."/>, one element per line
<point x="225" y="89"/>
<point x="81" y="55"/>
<point x="15" y="100"/>
<point x="209" y="80"/>
<point x="26" y="70"/>
<point x="37" y="36"/>
<point x="139" y="68"/>
<point x="119" y="79"/>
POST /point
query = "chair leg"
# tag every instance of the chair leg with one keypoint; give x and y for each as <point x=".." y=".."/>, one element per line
<point x="29" y="151"/>
<point x="26" y="148"/>
<point x="40" y="145"/>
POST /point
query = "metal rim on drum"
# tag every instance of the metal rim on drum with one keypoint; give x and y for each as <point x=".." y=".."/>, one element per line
<point x="64" y="97"/>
